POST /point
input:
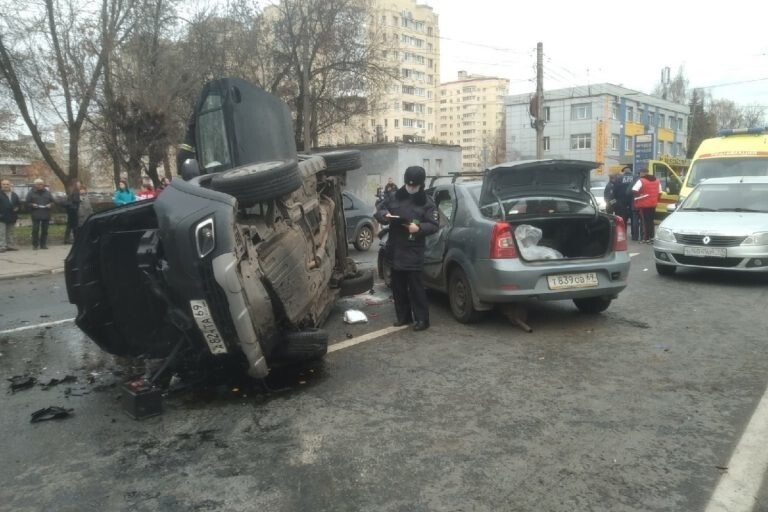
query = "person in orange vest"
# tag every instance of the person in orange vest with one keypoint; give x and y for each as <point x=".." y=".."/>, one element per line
<point x="647" y="191"/>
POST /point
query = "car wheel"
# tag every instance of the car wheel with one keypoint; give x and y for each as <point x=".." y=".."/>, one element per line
<point x="259" y="182"/>
<point x="364" y="238"/>
<point x="592" y="305"/>
<point x="361" y="283"/>
<point x="460" y="298"/>
<point x="300" y="346"/>
<point x="341" y="161"/>
<point x="665" y="270"/>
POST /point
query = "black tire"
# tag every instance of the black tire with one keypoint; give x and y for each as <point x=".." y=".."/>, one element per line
<point x="460" y="298"/>
<point x="259" y="182"/>
<point x="592" y="305"/>
<point x="361" y="283"/>
<point x="363" y="238"/>
<point x="301" y="346"/>
<point x="665" y="270"/>
<point x="342" y="160"/>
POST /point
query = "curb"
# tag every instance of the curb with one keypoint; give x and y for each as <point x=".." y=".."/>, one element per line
<point x="32" y="273"/>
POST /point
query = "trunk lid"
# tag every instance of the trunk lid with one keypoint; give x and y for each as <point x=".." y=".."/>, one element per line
<point x="555" y="178"/>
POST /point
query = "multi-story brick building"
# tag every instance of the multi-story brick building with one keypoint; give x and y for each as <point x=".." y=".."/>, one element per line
<point x="471" y="114"/>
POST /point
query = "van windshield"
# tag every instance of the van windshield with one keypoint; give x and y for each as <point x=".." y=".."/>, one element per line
<point x="725" y="167"/>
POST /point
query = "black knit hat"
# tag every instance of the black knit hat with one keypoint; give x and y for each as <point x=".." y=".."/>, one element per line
<point x="415" y="175"/>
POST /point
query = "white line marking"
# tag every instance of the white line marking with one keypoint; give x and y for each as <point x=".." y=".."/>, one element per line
<point x="633" y="254"/>
<point x="36" y="326"/>
<point x="365" y="337"/>
<point x="738" y="487"/>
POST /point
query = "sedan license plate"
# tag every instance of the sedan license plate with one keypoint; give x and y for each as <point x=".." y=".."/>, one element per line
<point x="567" y="281"/>
<point x="716" y="252"/>
<point x="204" y="321"/>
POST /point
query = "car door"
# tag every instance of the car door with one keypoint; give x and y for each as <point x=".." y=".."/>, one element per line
<point x="445" y="200"/>
<point x="670" y="188"/>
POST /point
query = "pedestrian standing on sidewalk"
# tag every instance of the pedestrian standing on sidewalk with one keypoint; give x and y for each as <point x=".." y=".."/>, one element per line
<point x="86" y="209"/>
<point x="73" y="205"/>
<point x="412" y="216"/>
<point x="40" y="202"/>
<point x="10" y="204"/>
<point x="623" y="193"/>
<point x="647" y="192"/>
<point x="123" y="194"/>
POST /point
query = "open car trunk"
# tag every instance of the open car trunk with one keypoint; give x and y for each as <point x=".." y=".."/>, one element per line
<point x="563" y="238"/>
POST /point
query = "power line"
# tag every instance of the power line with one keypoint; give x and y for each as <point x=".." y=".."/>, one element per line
<point x="730" y="83"/>
<point x="497" y="48"/>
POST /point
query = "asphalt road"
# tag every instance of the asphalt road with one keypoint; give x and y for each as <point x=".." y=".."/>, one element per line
<point x="637" y="409"/>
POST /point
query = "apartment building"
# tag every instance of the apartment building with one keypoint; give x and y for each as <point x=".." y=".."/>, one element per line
<point x="596" y="122"/>
<point x="471" y="114"/>
<point x="405" y="110"/>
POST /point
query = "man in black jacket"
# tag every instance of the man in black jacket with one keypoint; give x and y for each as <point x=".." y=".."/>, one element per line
<point x="9" y="214"/>
<point x="40" y="203"/>
<point x="73" y="206"/>
<point x="412" y="217"/>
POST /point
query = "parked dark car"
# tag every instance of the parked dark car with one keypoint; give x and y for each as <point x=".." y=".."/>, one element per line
<point x="361" y="226"/>
<point x="528" y="230"/>
<point x="243" y="258"/>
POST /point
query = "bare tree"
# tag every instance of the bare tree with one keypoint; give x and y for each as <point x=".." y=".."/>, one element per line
<point x="753" y="115"/>
<point x="726" y="114"/>
<point x="51" y="58"/>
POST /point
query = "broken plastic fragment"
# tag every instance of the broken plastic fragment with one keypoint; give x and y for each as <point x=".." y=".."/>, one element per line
<point x="50" y="413"/>
<point x="354" y="316"/>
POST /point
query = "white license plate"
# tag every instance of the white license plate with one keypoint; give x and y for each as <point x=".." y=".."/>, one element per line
<point x="717" y="252"/>
<point x="566" y="281"/>
<point x="204" y="321"/>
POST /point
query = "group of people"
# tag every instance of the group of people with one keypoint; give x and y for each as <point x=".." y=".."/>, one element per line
<point x="40" y="202"/>
<point x="634" y="200"/>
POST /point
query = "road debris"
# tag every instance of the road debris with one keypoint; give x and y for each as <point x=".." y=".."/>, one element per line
<point x="50" y="413"/>
<point x="55" y="382"/>
<point x="21" y="382"/>
<point x="354" y="316"/>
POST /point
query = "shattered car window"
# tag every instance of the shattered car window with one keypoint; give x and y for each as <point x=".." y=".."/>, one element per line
<point x="213" y="148"/>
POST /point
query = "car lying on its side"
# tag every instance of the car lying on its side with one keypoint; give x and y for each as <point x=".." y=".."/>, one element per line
<point x="529" y="231"/>
<point x="243" y="257"/>
<point x="722" y="224"/>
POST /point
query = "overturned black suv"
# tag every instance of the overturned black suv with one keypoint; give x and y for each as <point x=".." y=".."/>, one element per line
<point x="243" y="258"/>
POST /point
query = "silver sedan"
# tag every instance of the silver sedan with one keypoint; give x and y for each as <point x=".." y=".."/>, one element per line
<point x="723" y="224"/>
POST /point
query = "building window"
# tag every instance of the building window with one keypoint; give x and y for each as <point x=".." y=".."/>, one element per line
<point x="615" y="111"/>
<point x="581" y="141"/>
<point x="628" y="143"/>
<point x="661" y="120"/>
<point x="660" y="148"/>
<point x="397" y="123"/>
<point x="630" y="117"/>
<point x="546" y="113"/>
<point x="581" y="111"/>
<point x="546" y="144"/>
<point x="640" y="115"/>
<point x="614" y="142"/>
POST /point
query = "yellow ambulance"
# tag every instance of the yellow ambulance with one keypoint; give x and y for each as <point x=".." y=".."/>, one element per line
<point x="735" y="152"/>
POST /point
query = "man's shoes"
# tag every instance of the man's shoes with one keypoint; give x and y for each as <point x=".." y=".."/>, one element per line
<point x="420" y="326"/>
<point x="43" y="246"/>
<point x="401" y="323"/>
<point x="12" y="249"/>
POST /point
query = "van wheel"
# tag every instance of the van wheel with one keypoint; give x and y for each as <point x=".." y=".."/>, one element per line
<point x="665" y="270"/>
<point x="263" y="181"/>
<point x="460" y="298"/>
<point x="301" y="346"/>
<point x="341" y="161"/>
<point x="592" y="305"/>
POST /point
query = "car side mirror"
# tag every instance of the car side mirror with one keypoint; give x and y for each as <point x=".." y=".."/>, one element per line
<point x="190" y="169"/>
<point x="671" y="208"/>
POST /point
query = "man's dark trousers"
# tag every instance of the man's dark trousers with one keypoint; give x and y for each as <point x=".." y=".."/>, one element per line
<point x="410" y="295"/>
<point x="40" y="233"/>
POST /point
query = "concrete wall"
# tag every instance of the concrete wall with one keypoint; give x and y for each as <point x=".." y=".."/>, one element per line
<point x="382" y="161"/>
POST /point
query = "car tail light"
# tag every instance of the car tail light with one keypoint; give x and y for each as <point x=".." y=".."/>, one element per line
<point x="502" y="244"/>
<point x="619" y="234"/>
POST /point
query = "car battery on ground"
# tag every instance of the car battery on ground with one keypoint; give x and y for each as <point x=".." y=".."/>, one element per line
<point x="141" y="399"/>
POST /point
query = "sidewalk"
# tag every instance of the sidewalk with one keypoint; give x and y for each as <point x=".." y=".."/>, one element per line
<point x="27" y="262"/>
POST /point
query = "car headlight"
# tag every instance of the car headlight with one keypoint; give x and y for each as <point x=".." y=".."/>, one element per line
<point x="760" y="238"/>
<point x="205" y="237"/>
<point x="665" y="235"/>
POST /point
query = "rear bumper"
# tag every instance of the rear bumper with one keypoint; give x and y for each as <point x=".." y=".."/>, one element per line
<point x="512" y="280"/>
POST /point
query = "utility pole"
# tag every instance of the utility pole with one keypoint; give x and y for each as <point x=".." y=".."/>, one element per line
<point x="539" y="123"/>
